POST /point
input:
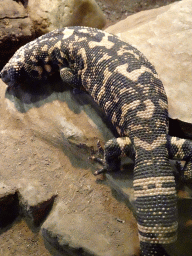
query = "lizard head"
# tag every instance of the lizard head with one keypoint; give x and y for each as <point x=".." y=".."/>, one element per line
<point x="11" y="74"/>
<point x="17" y="71"/>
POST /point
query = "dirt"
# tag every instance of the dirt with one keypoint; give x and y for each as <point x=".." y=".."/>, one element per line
<point x="20" y="240"/>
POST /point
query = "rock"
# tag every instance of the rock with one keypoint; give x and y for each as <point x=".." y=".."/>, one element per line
<point x="80" y="237"/>
<point x="164" y="36"/>
<point x="22" y="21"/>
<point x="27" y="197"/>
<point x="72" y="115"/>
<point x="16" y="29"/>
<point x="49" y="15"/>
<point x="122" y="183"/>
<point x="79" y="233"/>
<point x="9" y="205"/>
<point x="116" y="10"/>
<point x="35" y="200"/>
<point x="50" y="140"/>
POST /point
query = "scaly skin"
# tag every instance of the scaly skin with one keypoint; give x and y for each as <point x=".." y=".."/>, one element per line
<point x="126" y="86"/>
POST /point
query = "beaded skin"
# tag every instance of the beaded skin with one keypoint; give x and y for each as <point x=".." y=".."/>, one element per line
<point x="126" y="86"/>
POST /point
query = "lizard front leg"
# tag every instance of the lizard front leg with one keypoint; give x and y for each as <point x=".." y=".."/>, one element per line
<point x="113" y="151"/>
<point x="68" y="76"/>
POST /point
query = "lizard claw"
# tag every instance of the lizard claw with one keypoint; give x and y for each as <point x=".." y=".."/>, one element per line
<point x="100" y="148"/>
<point x="97" y="159"/>
<point x="103" y="170"/>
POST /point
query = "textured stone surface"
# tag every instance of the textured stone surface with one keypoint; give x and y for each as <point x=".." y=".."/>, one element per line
<point x="16" y="28"/>
<point x="77" y="237"/>
<point x="164" y="36"/>
<point x="48" y="15"/>
<point x="50" y="140"/>
<point x="123" y="184"/>
<point x="35" y="200"/>
<point x="22" y="21"/>
<point x="81" y="234"/>
<point x="116" y="10"/>
<point x="26" y="197"/>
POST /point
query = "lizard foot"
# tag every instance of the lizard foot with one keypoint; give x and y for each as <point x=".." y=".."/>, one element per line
<point x="103" y="170"/>
<point x="99" y="160"/>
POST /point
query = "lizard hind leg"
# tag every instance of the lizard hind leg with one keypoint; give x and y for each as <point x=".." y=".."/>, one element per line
<point x="113" y="150"/>
<point x="181" y="149"/>
<point x="187" y="172"/>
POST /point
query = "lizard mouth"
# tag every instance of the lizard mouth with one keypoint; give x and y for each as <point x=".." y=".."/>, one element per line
<point x="5" y="77"/>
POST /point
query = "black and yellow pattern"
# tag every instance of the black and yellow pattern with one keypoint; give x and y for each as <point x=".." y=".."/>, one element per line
<point x="126" y="86"/>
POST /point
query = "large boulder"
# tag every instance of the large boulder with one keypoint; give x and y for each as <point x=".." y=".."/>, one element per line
<point x="22" y="21"/>
<point x="164" y="36"/>
<point x="50" y="141"/>
<point x="116" y="10"/>
<point x="48" y="15"/>
<point x="16" y="29"/>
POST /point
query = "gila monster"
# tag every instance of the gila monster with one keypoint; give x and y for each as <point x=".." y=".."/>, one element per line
<point x="126" y="86"/>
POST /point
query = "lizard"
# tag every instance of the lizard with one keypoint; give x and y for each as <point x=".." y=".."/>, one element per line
<point x="128" y="89"/>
